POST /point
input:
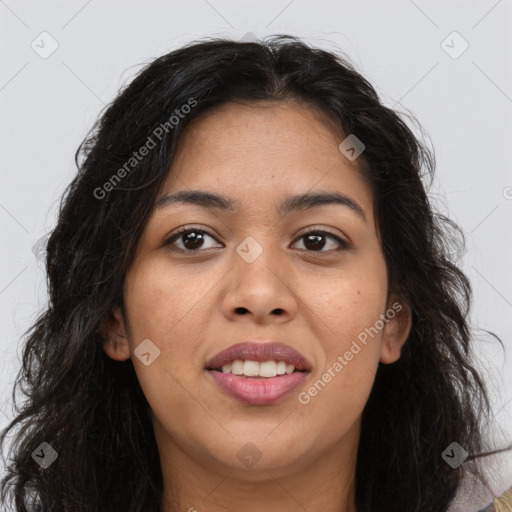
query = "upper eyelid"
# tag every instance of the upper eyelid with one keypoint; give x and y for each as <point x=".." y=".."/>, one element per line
<point x="303" y="232"/>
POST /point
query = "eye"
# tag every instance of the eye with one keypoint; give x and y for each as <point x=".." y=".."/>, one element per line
<point x="313" y="240"/>
<point x="191" y="238"/>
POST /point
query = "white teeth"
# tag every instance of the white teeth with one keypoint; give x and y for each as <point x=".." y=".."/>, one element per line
<point x="281" y="368"/>
<point x="251" y="368"/>
<point x="255" y="369"/>
<point x="237" y="367"/>
<point x="268" y="369"/>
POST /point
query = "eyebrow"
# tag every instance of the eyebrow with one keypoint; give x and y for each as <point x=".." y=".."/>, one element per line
<point x="291" y="204"/>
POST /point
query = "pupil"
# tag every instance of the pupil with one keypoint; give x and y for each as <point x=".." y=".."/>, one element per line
<point x="195" y="238"/>
<point x="316" y="238"/>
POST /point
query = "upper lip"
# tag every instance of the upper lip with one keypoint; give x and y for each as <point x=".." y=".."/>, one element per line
<point x="258" y="351"/>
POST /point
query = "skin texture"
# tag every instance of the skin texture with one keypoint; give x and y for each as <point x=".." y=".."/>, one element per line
<point x="192" y="306"/>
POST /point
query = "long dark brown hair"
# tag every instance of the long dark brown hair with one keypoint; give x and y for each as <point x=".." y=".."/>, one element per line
<point x="92" y="410"/>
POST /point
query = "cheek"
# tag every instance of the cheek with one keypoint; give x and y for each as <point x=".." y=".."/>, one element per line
<point x="350" y="306"/>
<point x="339" y="390"/>
<point x="163" y="302"/>
<point x="164" y="307"/>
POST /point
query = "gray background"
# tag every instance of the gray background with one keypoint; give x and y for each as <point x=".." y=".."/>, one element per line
<point x="463" y="101"/>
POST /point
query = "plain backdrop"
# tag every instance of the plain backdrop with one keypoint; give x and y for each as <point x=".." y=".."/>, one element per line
<point x="447" y="63"/>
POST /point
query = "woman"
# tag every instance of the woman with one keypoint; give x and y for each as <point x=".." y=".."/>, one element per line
<point x="251" y="303"/>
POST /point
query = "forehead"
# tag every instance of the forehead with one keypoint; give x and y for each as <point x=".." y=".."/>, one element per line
<point x="273" y="128"/>
<point x="256" y="152"/>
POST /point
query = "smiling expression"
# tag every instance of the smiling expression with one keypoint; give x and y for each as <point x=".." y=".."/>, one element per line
<point x="267" y="181"/>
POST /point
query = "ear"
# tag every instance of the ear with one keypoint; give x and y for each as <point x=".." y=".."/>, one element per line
<point x="115" y="339"/>
<point x="396" y="329"/>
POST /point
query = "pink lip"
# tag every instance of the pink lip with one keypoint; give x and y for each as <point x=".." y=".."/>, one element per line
<point x="258" y="390"/>
<point x="260" y="352"/>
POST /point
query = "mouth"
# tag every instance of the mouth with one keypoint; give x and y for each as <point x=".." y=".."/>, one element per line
<point x="258" y="373"/>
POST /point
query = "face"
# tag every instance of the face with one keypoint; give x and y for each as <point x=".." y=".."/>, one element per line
<point x="312" y="278"/>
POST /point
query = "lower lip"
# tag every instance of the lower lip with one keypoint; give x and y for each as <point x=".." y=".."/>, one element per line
<point x="258" y="390"/>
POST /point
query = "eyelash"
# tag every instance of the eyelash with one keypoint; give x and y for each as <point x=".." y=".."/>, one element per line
<point x="191" y="229"/>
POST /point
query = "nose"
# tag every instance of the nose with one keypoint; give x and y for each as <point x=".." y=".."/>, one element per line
<point x="259" y="292"/>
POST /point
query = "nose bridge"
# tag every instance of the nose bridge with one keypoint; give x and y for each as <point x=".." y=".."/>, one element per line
<point x="259" y="261"/>
<point x="260" y="284"/>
